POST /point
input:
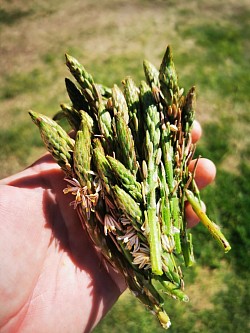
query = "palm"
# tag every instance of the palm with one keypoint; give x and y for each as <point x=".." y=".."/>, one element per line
<point x="52" y="279"/>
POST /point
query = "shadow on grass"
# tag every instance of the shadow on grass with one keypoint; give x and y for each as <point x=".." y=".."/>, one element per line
<point x="11" y="17"/>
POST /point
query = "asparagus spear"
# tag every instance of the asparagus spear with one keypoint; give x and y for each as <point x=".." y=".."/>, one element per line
<point x="56" y="140"/>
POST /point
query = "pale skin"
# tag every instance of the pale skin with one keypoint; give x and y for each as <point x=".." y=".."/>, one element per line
<point x="51" y="277"/>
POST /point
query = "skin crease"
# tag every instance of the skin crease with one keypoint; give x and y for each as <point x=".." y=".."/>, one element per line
<point x="52" y="279"/>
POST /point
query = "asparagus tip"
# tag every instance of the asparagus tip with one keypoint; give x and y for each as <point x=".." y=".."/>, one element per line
<point x="35" y="117"/>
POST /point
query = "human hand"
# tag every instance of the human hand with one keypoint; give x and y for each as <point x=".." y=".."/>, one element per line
<point x="52" y="278"/>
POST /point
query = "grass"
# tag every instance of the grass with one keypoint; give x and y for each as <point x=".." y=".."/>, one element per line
<point x="225" y="44"/>
<point x="210" y="41"/>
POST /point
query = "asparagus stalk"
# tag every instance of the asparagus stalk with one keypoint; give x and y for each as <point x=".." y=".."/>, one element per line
<point x="152" y="121"/>
<point x="211" y="226"/>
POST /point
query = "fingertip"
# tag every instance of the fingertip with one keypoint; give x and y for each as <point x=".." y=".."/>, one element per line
<point x="205" y="171"/>
<point x="191" y="217"/>
<point x="196" y="131"/>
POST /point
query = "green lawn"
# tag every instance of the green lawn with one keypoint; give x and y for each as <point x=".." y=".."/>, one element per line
<point x="211" y="45"/>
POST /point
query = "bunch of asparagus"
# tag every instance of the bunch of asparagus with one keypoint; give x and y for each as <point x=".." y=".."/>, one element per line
<point x="127" y="169"/>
